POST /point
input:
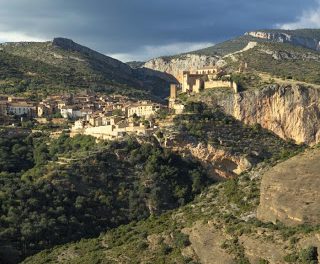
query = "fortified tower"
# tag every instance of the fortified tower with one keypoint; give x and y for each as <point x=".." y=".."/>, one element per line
<point x="173" y="91"/>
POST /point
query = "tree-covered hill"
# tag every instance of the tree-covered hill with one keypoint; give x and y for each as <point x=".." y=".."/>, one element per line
<point x="73" y="188"/>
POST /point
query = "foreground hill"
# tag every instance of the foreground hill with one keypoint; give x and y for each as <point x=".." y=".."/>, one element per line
<point x="72" y="188"/>
<point x="219" y="227"/>
<point x="63" y="65"/>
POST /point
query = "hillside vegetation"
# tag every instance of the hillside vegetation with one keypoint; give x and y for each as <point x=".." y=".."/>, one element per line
<point x="57" y="196"/>
<point x="284" y="61"/>
<point x="219" y="226"/>
<point x="212" y="126"/>
<point x="165" y="239"/>
<point x="226" y="47"/>
<point x="62" y="65"/>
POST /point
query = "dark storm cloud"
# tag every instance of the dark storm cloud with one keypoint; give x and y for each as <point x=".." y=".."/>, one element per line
<point x="127" y="26"/>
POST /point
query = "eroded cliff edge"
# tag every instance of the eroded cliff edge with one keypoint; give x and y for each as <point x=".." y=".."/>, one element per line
<point x="291" y="112"/>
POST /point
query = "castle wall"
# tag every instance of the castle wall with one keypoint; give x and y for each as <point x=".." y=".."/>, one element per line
<point x="197" y="82"/>
<point x="192" y="82"/>
<point x="198" y="86"/>
<point x="217" y="84"/>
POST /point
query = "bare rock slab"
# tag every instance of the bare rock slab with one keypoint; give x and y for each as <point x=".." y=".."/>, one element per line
<point x="290" y="191"/>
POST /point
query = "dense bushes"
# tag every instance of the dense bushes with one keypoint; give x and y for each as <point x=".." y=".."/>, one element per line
<point x="113" y="184"/>
<point x="16" y="152"/>
<point x="305" y="256"/>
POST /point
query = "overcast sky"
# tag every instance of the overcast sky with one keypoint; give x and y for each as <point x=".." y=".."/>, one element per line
<point x="142" y="29"/>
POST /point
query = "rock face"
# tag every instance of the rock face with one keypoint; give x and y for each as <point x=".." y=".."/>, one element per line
<point x="176" y="65"/>
<point x="206" y="243"/>
<point x="290" y="191"/>
<point x="260" y="248"/>
<point x="219" y="163"/>
<point x="291" y="112"/>
<point x="287" y="37"/>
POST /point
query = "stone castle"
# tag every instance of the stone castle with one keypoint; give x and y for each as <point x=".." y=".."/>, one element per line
<point x="194" y="82"/>
<point x="206" y="78"/>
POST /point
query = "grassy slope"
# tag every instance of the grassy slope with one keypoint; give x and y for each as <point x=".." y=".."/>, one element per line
<point x="227" y="47"/>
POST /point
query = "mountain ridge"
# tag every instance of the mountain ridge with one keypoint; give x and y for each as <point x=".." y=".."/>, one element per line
<point x="302" y="41"/>
<point x="77" y="66"/>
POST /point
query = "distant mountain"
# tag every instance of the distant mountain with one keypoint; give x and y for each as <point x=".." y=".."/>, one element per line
<point x="299" y="43"/>
<point x="280" y="60"/>
<point x="135" y="64"/>
<point x="63" y="65"/>
<point x="306" y="38"/>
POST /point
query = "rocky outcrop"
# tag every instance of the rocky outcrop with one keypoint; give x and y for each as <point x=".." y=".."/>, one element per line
<point x="290" y="55"/>
<point x="176" y="65"/>
<point x="287" y="37"/>
<point x="291" y="112"/>
<point x="290" y="191"/>
<point x="206" y="244"/>
<point x="258" y="248"/>
<point x="219" y="163"/>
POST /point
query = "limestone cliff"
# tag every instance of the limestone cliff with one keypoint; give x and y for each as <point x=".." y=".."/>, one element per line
<point x="290" y="191"/>
<point x="219" y="163"/>
<point x="176" y="65"/>
<point x="291" y="112"/>
<point x="287" y="37"/>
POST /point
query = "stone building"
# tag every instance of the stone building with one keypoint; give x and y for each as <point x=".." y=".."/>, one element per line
<point x="22" y="108"/>
<point x="115" y="129"/>
<point x="173" y="91"/>
<point x="192" y="82"/>
<point x="143" y="109"/>
<point x="174" y="102"/>
<point x="206" y="78"/>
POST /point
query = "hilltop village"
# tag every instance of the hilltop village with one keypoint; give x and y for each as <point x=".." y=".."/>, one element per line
<point x="110" y="117"/>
